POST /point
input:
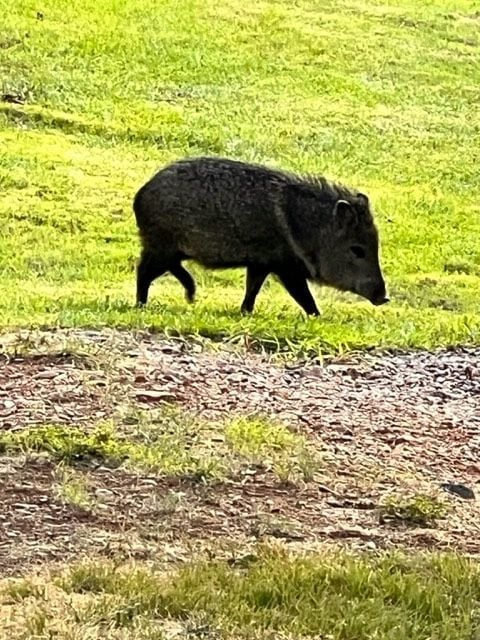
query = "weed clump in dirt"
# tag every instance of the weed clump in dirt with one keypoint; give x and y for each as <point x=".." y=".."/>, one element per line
<point x="420" y="509"/>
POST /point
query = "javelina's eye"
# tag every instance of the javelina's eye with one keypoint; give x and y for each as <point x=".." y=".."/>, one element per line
<point x="357" y="251"/>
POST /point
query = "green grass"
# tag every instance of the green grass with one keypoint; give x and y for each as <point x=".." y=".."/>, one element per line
<point x="382" y="96"/>
<point x="173" y="452"/>
<point x="166" y="442"/>
<point x="274" y="446"/>
<point x="330" y="595"/>
<point x="419" y="509"/>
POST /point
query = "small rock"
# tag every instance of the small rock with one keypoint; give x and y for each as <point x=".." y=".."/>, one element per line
<point x="459" y="489"/>
<point x="335" y="503"/>
<point x="104" y="493"/>
<point x="154" y="395"/>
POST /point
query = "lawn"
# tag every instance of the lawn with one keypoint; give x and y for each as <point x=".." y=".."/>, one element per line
<point x="270" y="502"/>
<point x="381" y="96"/>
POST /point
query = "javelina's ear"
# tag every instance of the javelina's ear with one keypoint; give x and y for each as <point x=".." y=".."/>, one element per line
<point x="344" y="214"/>
<point x="362" y="203"/>
<point x="363" y="200"/>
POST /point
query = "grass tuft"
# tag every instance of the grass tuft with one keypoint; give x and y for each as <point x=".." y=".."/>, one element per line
<point x="170" y="454"/>
<point x="167" y="442"/>
<point x="273" y="445"/>
<point x="72" y="489"/>
<point x="420" y="509"/>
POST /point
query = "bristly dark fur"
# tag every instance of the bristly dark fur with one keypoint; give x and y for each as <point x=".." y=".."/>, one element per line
<point x="330" y="189"/>
<point x="335" y="190"/>
<point x="225" y="213"/>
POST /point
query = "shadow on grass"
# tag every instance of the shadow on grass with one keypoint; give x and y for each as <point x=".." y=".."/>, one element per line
<point x="69" y="125"/>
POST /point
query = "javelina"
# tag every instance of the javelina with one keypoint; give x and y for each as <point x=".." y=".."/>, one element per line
<point x="226" y="213"/>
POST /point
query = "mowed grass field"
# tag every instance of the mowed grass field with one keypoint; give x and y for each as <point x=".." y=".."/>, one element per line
<point x="382" y="96"/>
<point x="94" y="97"/>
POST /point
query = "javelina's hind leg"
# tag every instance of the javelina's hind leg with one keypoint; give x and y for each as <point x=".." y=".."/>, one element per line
<point x="255" y="278"/>
<point x="297" y="287"/>
<point x="149" y="267"/>
<point x="185" y="279"/>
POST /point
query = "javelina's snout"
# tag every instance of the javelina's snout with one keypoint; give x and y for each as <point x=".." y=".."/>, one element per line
<point x="375" y="292"/>
<point x="379" y="300"/>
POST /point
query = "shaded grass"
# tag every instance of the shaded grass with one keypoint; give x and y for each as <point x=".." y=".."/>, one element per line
<point x="381" y="96"/>
<point x="166" y="442"/>
<point x="172" y="453"/>
<point x="328" y="595"/>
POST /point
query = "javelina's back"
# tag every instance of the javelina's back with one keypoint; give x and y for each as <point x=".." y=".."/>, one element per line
<point x="227" y="213"/>
<point x="219" y="212"/>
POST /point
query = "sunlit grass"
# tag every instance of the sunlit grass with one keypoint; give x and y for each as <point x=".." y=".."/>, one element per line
<point x="328" y="595"/>
<point x="380" y="96"/>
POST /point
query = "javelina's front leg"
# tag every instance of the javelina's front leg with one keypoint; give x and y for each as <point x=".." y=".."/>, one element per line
<point x="297" y="287"/>
<point x="255" y="278"/>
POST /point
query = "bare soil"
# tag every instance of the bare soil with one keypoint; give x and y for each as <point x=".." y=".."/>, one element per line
<point x="383" y="423"/>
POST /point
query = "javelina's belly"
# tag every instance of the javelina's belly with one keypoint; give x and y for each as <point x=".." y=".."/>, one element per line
<point x="226" y="240"/>
<point x="236" y="249"/>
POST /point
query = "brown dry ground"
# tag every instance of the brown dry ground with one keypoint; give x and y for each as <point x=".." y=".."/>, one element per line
<point x="382" y="424"/>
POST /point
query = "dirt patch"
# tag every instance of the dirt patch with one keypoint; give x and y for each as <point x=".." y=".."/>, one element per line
<point x="50" y="388"/>
<point x="382" y="424"/>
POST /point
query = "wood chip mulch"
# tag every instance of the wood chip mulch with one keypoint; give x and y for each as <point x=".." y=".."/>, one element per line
<point x="381" y="423"/>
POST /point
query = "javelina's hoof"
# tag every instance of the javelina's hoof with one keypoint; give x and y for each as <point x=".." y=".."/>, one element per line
<point x="245" y="311"/>
<point x="313" y="313"/>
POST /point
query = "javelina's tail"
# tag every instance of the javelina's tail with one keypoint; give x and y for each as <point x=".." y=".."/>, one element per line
<point x="140" y="210"/>
<point x="137" y="206"/>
